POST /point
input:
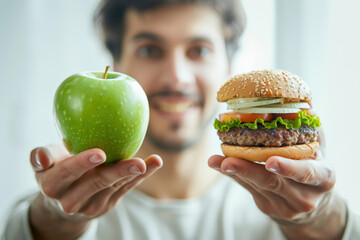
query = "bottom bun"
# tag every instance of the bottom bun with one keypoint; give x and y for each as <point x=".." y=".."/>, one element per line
<point x="261" y="154"/>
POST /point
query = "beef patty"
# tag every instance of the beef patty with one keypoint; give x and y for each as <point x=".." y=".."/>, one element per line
<point x="276" y="137"/>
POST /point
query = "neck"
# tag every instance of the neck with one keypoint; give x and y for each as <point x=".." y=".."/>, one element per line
<point x="185" y="174"/>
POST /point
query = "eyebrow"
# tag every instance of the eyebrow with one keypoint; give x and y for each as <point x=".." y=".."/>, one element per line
<point x="200" y="39"/>
<point x="157" y="38"/>
<point x="147" y="36"/>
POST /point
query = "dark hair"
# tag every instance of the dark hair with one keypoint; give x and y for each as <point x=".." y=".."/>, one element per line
<point x="111" y="13"/>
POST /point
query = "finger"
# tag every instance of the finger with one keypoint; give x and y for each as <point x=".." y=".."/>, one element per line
<point x="298" y="197"/>
<point x="254" y="174"/>
<point x="111" y="195"/>
<point x="39" y="159"/>
<point x="268" y="203"/>
<point x="97" y="204"/>
<point x="65" y="172"/>
<point x="154" y="163"/>
<point x="43" y="158"/>
<point x="308" y="172"/>
<point x="262" y="179"/>
<point x="215" y="162"/>
<point x="77" y="199"/>
<point x="241" y="166"/>
<point x="261" y="201"/>
<point x="102" y="178"/>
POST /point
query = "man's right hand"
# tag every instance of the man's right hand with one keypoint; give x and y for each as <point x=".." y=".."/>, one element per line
<point x="76" y="189"/>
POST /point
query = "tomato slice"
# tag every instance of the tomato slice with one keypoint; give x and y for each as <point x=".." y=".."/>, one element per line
<point x="244" y="117"/>
<point x="251" y="117"/>
<point x="290" y="116"/>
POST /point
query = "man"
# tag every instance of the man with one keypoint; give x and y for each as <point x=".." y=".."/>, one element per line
<point x="180" y="52"/>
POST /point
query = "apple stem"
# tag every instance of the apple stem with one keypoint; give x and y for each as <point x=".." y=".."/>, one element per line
<point x="106" y="71"/>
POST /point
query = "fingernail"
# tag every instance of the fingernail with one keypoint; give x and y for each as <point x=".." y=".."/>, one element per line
<point x="37" y="164"/>
<point x="95" y="159"/>
<point x="274" y="167"/>
<point x="231" y="169"/>
<point x="134" y="169"/>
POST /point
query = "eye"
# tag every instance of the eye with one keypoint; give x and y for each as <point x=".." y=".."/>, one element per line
<point x="149" y="51"/>
<point x="199" y="52"/>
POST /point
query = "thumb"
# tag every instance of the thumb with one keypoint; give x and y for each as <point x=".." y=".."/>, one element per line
<point x="43" y="158"/>
<point x="40" y="159"/>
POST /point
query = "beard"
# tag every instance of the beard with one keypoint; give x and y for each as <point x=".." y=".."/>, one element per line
<point x="166" y="145"/>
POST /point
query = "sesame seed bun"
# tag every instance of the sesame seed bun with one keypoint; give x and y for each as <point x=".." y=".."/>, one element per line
<point x="265" y="83"/>
<point x="261" y="154"/>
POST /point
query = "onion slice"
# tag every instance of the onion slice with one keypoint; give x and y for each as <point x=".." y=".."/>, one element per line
<point x="268" y="110"/>
<point x="239" y="103"/>
<point x="303" y="105"/>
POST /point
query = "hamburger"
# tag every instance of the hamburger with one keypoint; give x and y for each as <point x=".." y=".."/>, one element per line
<point x="270" y="114"/>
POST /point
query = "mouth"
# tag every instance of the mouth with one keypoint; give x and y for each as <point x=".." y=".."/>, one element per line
<point x="174" y="107"/>
<point x="174" y="103"/>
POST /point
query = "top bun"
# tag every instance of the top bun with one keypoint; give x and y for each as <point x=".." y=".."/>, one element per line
<point x="265" y="83"/>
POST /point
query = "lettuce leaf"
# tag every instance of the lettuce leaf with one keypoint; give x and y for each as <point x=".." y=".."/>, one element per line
<point x="303" y="118"/>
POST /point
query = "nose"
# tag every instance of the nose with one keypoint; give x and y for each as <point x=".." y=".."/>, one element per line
<point x="178" y="71"/>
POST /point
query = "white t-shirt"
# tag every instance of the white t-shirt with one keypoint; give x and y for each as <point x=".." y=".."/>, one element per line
<point x="226" y="211"/>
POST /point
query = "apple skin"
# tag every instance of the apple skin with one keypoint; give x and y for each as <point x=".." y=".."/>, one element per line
<point x="111" y="114"/>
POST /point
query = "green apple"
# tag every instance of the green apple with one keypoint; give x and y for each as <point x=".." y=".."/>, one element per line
<point x="109" y="111"/>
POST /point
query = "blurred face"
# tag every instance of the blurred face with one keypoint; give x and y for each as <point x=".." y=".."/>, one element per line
<point x="177" y="53"/>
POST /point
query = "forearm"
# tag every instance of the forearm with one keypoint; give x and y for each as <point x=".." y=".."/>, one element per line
<point x="329" y="224"/>
<point x="46" y="223"/>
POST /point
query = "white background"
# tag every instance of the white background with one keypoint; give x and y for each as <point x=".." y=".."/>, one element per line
<point x="44" y="41"/>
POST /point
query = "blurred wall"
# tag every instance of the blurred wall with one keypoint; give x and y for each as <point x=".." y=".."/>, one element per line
<point x="339" y="95"/>
<point x="319" y="40"/>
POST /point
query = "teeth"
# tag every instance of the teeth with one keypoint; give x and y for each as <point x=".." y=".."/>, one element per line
<point x="174" y="107"/>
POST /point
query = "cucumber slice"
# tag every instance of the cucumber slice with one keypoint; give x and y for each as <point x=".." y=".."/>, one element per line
<point x="268" y="110"/>
<point x="234" y="104"/>
<point x="303" y="105"/>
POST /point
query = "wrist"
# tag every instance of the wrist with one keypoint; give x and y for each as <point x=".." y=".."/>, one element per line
<point x="48" y="221"/>
<point x="327" y="221"/>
